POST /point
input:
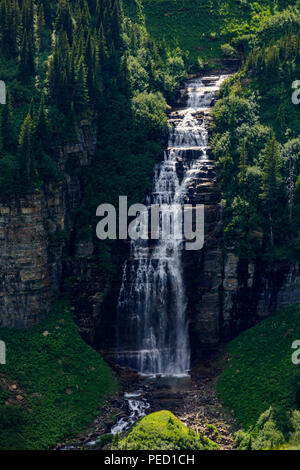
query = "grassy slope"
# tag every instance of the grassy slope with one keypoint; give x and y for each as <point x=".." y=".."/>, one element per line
<point x="198" y="27"/>
<point x="259" y="371"/>
<point x="62" y="381"/>
<point x="162" y="430"/>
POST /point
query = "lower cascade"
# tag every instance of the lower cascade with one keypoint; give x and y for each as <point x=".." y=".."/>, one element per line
<point x="152" y="323"/>
<point x="137" y="406"/>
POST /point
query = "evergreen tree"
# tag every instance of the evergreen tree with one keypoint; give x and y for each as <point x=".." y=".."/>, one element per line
<point x="125" y="87"/>
<point x="28" y="19"/>
<point x="61" y="73"/>
<point x="40" y="25"/>
<point x="7" y="127"/>
<point x="42" y="127"/>
<point x="64" y="21"/>
<point x="27" y="67"/>
<point x="25" y="152"/>
<point x="271" y="181"/>
<point x="81" y="97"/>
<point x="47" y="9"/>
<point x="9" y="25"/>
<point x="242" y="176"/>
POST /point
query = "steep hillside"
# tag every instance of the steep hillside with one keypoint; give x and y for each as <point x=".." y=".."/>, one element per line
<point x="201" y="27"/>
<point x="52" y="385"/>
<point x="259" y="374"/>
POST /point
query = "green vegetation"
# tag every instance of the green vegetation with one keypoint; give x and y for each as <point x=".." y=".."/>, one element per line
<point x="163" y="431"/>
<point x="259" y="375"/>
<point x="201" y="27"/>
<point x="256" y="143"/>
<point x="276" y="429"/>
<point x="53" y="384"/>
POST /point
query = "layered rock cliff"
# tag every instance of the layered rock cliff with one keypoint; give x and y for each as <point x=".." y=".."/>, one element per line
<point x="37" y="237"/>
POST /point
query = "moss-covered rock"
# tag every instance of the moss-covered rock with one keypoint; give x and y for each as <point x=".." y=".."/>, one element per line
<point x="163" y="431"/>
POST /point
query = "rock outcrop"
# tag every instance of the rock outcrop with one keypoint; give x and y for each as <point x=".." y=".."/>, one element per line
<point x="37" y="235"/>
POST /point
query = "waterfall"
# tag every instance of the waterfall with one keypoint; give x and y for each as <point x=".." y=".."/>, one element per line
<point x="152" y="324"/>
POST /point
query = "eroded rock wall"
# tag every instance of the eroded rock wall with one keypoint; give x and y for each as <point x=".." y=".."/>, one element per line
<point x="37" y="236"/>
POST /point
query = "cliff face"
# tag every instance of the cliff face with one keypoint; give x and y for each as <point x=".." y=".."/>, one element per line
<point x="37" y="235"/>
<point x="227" y="294"/>
<point x="26" y="292"/>
<point x="252" y="291"/>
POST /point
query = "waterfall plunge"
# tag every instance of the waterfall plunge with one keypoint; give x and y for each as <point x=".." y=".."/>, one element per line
<point x="152" y="327"/>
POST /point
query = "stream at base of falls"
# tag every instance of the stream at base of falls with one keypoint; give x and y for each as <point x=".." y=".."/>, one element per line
<point x="135" y="405"/>
<point x="192" y="400"/>
<point x="138" y="408"/>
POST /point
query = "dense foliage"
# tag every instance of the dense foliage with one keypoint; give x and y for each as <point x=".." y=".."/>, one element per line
<point x="163" y="431"/>
<point x="276" y="429"/>
<point x="53" y="386"/>
<point x="203" y="27"/>
<point x="257" y="144"/>
<point x="62" y="62"/>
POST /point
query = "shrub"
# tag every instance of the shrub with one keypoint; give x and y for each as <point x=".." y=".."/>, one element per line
<point x="229" y="51"/>
<point x="149" y="111"/>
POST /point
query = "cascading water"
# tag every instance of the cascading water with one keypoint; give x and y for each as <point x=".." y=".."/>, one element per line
<point x="152" y="325"/>
<point x="137" y="406"/>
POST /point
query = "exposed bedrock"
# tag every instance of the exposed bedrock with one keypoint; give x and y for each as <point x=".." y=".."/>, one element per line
<point x="38" y="243"/>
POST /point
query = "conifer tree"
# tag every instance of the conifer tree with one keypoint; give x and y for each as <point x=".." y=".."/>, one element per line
<point x="28" y="19"/>
<point x="40" y="25"/>
<point x="47" y="9"/>
<point x="9" y="25"/>
<point x="125" y="87"/>
<point x="243" y="165"/>
<point x="42" y="127"/>
<point x="81" y="96"/>
<point x="61" y="73"/>
<point x="64" y="21"/>
<point x="25" y="152"/>
<point x="27" y="68"/>
<point x="102" y="48"/>
<point x="271" y="181"/>
<point x="7" y="127"/>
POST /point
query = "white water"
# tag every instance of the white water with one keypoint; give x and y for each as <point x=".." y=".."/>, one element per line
<point x="137" y="407"/>
<point x="153" y="330"/>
